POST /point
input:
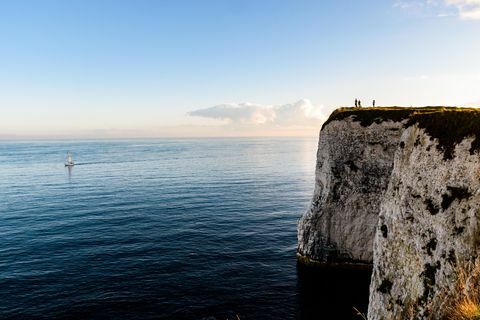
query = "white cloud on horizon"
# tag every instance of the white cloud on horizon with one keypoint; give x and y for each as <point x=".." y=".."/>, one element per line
<point x="465" y="9"/>
<point x="299" y="114"/>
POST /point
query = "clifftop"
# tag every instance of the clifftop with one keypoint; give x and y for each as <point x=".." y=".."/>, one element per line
<point x="450" y="125"/>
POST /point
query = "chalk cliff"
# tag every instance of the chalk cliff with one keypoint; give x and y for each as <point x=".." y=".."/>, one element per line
<point x="402" y="185"/>
<point x="354" y="162"/>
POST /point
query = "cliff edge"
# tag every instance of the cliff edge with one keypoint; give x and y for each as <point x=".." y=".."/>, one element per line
<point x="354" y="162"/>
<point x="398" y="189"/>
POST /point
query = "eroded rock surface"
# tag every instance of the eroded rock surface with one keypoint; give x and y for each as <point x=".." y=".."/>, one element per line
<point x="399" y="187"/>
<point x="354" y="162"/>
<point x="430" y="217"/>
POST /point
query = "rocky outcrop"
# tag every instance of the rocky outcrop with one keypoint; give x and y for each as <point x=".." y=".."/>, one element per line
<point x="429" y="216"/>
<point x="419" y="185"/>
<point x="354" y="162"/>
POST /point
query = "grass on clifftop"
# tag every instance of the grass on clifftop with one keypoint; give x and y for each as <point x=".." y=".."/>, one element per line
<point x="449" y="125"/>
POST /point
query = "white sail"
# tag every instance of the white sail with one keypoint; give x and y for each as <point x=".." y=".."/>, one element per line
<point x="69" y="161"/>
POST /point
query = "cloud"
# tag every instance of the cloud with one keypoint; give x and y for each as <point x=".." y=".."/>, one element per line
<point x="416" y="7"/>
<point x="241" y="113"/>
<point x="465" y="9"/>
<point x="300" y="113"/>
<point x="423" y="7"/>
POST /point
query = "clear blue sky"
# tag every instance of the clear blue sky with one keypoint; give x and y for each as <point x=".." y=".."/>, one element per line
<point x="137" y="68"/>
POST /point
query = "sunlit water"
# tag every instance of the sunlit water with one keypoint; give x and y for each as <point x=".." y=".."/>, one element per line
<point x="163" y="229"/>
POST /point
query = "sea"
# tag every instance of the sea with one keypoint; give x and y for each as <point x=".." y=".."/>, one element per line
<point x="163" y="229"/>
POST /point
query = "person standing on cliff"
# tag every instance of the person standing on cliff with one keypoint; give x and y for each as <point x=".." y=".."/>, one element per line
<point x="359" y="104"/>
<point x="356" y="103"/>
<point x="373" y="103"/>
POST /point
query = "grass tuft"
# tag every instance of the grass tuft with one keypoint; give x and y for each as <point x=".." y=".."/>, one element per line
<point x="360" y="314"/>
<point x="465" y="302"/>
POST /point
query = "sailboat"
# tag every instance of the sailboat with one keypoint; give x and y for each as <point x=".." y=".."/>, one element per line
<point x="69" y="162"/>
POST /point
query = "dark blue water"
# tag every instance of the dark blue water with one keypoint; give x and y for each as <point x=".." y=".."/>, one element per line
<point x="162" y="229"/>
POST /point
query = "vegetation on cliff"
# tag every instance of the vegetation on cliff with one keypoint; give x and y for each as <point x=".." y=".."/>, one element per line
<point x="463" y="301"/>
<point x="449" y="125"/>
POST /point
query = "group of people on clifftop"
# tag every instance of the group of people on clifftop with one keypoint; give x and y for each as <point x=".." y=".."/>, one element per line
<point x="358" y="103"/>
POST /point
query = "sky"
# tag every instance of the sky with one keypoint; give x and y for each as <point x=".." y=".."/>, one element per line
<point x="178" y="68"/>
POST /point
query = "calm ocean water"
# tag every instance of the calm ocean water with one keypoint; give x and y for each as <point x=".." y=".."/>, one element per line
<point x="162" y="229"/>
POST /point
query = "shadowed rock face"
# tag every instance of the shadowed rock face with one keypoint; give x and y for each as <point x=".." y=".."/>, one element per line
<point x="354" y="163"/>
<point x="401" y="188"/>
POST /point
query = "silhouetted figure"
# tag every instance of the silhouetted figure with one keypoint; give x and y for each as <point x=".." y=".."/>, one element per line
<point x="356" y="103"/>
<point x="359" y="104"/>
<point x="374" y="103"/>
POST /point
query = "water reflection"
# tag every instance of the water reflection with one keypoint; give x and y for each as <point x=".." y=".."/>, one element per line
<point x="332" y="294"/>
<point x="70" y="169"/>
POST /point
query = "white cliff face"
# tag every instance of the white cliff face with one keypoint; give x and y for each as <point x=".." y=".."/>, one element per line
<point x="401" y="187"/>
<point x="354" y="163"/>
<point x="428" y="224"/>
